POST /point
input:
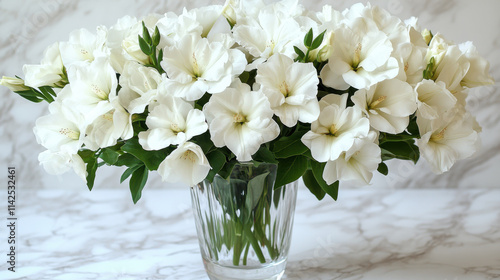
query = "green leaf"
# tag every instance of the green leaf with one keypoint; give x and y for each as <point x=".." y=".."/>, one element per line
<point x="151" y="159"/>
<point x="400" y="150"/>
<point x="317" y="41"/>
<point x="217" y="159"/>
<point x="156" y="37"/>
<point x="129" y="172"/>
<point x="145" y="34"/>
<point x="91" y="170"/>
<point x="145" y="47"/>
<point x="290" y="146"/>
<point x="290" y="169"/>
<point x="313" y="185"/>
<point x="318" y="169"/>
<point x="204" y="141"/>
<point x="300" y="53"/>
<point x="137" y="182"/>
<point x="386" y="137"/>
<point x="308" y="39"/>
<point x="110" y="155"/>
<point x="382" y="168"/>
<point x="254" y="190"/>
<point x="31" y="95"/>
<point x="227" y="169"/>
<point x="264" y="155"/>
<point x="127" y="160"/>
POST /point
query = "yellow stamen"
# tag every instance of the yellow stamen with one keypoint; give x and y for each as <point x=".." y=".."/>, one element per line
<point x="439" y="136"/>
<point x="189" y="155"/>
<point x="377" y="102"/>
<point x="333" y="129"/>
<point x="71" y="134"/>
<point x="175" y="128"/>
<point x="284" y="89"/>
<point x="239" y="118"/>
<point x="357" y="57"/>
<point x="99" y="92"/>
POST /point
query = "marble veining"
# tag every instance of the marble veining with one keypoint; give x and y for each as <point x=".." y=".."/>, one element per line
<point x="28" y="27"/>
<point x="367" y="234"/>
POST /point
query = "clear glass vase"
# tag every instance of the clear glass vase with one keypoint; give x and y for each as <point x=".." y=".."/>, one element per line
<point x="244" y="224"/>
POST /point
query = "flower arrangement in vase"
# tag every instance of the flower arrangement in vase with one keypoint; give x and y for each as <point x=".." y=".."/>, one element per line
<point x="325" y="96"/>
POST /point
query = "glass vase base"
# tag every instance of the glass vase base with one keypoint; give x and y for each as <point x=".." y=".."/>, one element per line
<point x="272" y="271"/>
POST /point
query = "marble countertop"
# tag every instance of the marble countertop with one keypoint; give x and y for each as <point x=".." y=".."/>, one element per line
<point x="368" y="234"/>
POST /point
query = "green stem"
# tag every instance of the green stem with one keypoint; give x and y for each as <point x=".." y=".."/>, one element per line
<point x="237" y="244"/>
<point x="245" y="255"/>
<point x="255" y="244"/>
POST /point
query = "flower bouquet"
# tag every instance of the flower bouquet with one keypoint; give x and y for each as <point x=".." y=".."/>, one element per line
<point x="207" y="96"/>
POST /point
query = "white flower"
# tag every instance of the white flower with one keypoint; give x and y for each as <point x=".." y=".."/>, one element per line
<point x="413" y="65"/>
<point x="450" y="64"/>
<point x="267" y="34"/>
<point x="106" y="129"/>
<point x="357" y="164"/>
<point x="93" y="88"/>
<point x="49" y="73"/>
<point x="433" y="99"/>
<point x="478" y="74"/>
<point x="336" y="128"/>
<point x="387" y="104"/>
<point x="62" y="130"/>
<point x="205" y="16"/>
<point x="139" y="86"/>
<point x="361" y="57"/>
<point x="291" y="89"/>
<point x="241" y="120"/>
<point x="83" y="46"/>
<point x="172" y="121"/>
<point x="123" y="41"/>
<point x="196" y="66"/>
<point x="447" y="139"/>
<point x="56" y="163"/>
<point x="187" y="164"/>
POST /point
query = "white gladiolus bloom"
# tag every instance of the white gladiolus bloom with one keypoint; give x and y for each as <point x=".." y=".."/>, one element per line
<point x="93" y="88"/>
<point x="357" y="164"/>
<point x="413" y="65"/>
<point x="336" y="128"/>
<point x="196" y="66"/>
<point x="478" y="74"/>
<point x="62" y="130"/>
<point x="106" y="129"/>
<point x="447" y="139"/>
<point x="241" y="120"/>
<point x="123" y="42"/>
<point x="172" y="121"/>
<point x="56" y="163"/>
<point x="187" y="164"/>
<point x="361" y="57"/>
<point x="139" y="86"/>
<point x="387" y="104"/>
<point x="268" y="34"/>
<point x="450" y="64"/>
<point x="49" y="73"/>
<point x="433" y="99"/>
<point x="291" y="89"/>
<point x="83" y="46"/>
<point x="205" y="16"/>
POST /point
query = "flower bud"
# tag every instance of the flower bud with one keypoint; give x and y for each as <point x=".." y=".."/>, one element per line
<point x="14" y="84"/>
<point x="228" y="12"/>
<point x="427" y="34"/>
<point x="326" y="51"/>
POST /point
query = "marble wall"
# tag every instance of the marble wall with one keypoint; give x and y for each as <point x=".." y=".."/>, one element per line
<point x="29" y="26"/>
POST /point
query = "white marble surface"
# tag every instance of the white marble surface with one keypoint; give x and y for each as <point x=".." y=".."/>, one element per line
<point x="367" y="234"/>
<point x="29" y="26"/>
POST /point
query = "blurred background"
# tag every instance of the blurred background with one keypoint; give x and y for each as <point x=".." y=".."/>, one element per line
<point x="29" y="26"/>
